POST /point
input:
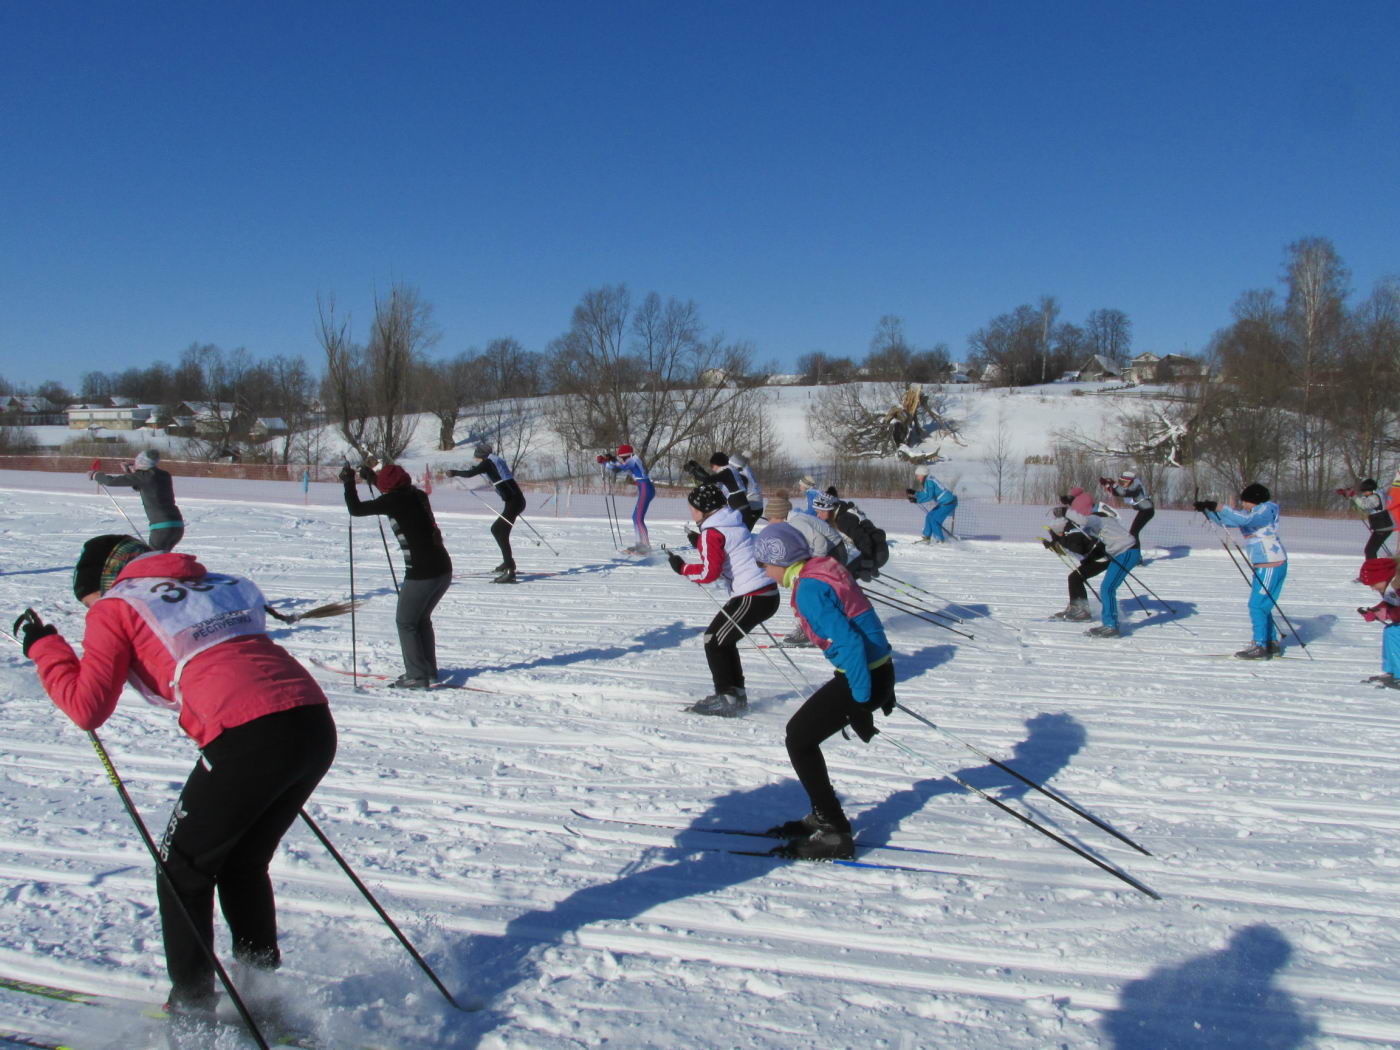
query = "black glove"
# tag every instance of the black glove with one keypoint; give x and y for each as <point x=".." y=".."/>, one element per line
<point x="737" y="500"/>
<point x="367" y="473"/>
<point x="696" y="471"/>
<point x="1204" y="505"/>
<point x="28" y="628"/>
<point x="693" y="537"/>
<point x="910" y="491"/>
<point x="831" y="491"/>
<point x="864" y="572"/>
<point x="1106" y="483"/>
<point x="347" y="474"/>
<point x="677" y="563"/>
<point x="1057" y="512"/>
<point x="1066" y="500"/>
<point x="912" y="499"/>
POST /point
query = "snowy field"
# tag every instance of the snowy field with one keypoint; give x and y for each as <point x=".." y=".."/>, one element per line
<point x="1268" y="795"/>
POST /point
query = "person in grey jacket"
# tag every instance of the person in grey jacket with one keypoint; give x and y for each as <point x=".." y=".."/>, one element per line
<point x="1131" y="491"/>
<point x="157" y="492"/>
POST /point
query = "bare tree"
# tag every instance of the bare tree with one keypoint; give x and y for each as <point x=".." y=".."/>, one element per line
<point x="400" y="333"/>
<point x="998" y="457"/>
<point x="1110" y="335"/>
<point x="1314" y="318"/>
<point x="651" y="378"/>
<point x="345" y="389"/>
<point x="450" y="388"/>
<point x="1049" y="310"/>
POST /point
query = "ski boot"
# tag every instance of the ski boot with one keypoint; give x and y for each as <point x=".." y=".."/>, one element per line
<point x="506" y="576"/>
<point x="1076" y="611"/>
<point x="1384" y="681"/>
<point x="829" y="838"/>
<point x="797" y="639"/>
<point x="725" y="705"/>
<point x="1275" y="649"/>
<point x="793" y="829"/>
<point x="406" y="681"/>
<point x="1255" y="652"/>
<point x="1103" y="631"/>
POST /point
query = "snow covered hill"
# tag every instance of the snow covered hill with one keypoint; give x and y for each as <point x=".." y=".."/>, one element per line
<point x="1268" y="795"/>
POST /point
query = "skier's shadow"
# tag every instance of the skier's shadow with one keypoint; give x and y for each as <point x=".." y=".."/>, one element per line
<point x="1179" y="550"/>
<point x="1309" y="628"/>
<point x="692" y="865"/>
<point x="1225" y="1000"/>
<point x="925" y="659"/>
<point x="663" y="637"/>
<point x="1158" y="611"/>
<point x="36" y="572"/>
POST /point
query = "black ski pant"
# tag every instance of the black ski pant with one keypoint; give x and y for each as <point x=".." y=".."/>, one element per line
<point x="414" y="619"/>
<point x="740" y="615"/>
<point x="500" y="529"/>
<point x="1376" y="542"/>
<point x="1091" y="566"/>
<point x="1142" y="518"/>
<point x="827" y="711"/>
<point x="245" y="791"/>
<point x="165" y="539"/>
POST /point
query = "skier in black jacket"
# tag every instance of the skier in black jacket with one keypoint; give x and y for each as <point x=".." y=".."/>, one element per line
<point x="730" y="482"/>
<point x="865" y="543"/>
<point x="496" y="468"/>
<point x="427" y="567"/>
<point x="157" y="492"/>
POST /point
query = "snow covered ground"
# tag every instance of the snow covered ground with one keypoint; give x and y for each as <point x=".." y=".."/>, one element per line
<point x="1268" y="794"/>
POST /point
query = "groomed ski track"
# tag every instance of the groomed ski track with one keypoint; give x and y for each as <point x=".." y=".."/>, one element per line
<point x="1267" y="792"/>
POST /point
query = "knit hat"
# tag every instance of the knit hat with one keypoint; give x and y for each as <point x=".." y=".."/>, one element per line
<point x="706" y="498"/>
<point x="1127" y="474"/>
<point x="1375" y="570"/>
<point x="824" y="501"/>
<point x="778" y="506"/>
<point x="738" y="460"/>
<point x="624" y="450"/>
<point x="921" y="471"/>
<point x="483" y="449"/>
<point x="391" y="477"/>
<point x="1369" y="485"/>
<point x="807" y="481"/>
<point x="780" y="544"/>
<point x="1254" y="493"/>
<point x="102" y="560"/>
<point x="719" y="459"/>
<point x="147" y="459"/>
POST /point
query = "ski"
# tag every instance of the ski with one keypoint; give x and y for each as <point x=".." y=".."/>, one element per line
<point x="778" y="858"/>
<point x="750" y="833"/>
<point x="378" y="680"/>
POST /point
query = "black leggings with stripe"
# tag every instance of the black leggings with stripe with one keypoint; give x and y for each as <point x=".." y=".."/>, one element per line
<point x="741" y="614"/>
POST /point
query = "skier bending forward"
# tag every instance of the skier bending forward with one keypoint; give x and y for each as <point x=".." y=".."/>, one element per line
<point x="193" y="641"/>
<point x="838" y="617"/>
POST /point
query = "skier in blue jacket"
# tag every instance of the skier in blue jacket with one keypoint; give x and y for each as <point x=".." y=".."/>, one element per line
<point x="838" y="618"/>
<point x="626" y="462"/>
<point x="938" y="502"/>
<point x="1257" y="521"/>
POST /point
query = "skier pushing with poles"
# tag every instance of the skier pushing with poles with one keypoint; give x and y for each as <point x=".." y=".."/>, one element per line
<point x="1131" y="491"/>
<point x="1268" y="561"/>
<point x="626" y="462"/>
<point x="1378" y="517"/>
<point x="1119" y="547"/>
<point x="427" y="567"/>
<point x="938" y="502"/>
<point x="499" y="473"/>
<point x="194" y="642"/>
<point x="157" y="491"/>
<point x="822" y="539"/>
<point x="1380" y="575"/>
<point x="836" y="615"/>
<point x="726" y="553"/>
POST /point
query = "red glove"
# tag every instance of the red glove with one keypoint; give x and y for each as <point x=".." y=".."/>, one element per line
<point x="602" y="459"/>
<point x="1370" y="615"/>
<point x="1106" y="483"/>
<point x="1345" y="493"/>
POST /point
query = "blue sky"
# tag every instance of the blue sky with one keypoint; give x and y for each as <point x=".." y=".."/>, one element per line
<point x="173" y="173"/>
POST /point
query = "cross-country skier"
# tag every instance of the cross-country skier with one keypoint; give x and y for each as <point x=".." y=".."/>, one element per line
<point x="157" y="492"/>
<point x="739" y="463"/>
<point x="726" y="554"/>
<point x="810" y="492"/>
<point x="1120" y="548"/>
<point x="938" y="504"/>
<point x="1257" y="521"/>
<point x="626" y="462"/>
<point x="1380" y="575"/>
<point x="1131" y="491"/>
<point x="822" y="539"/>
<point x="1078" y="536"/>
<point x="727" y="479"/>
<point x="865" y="543"/>
<point x="193" y="642"/>
<point x="1370" y="503"/>
<point x="498" y="471"/>
<point x="427" y="567"/>
<point x="836" y="615"/>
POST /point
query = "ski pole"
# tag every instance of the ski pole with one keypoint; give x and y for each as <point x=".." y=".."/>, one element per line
<point x="932" y="594"/>
<point x="1134" y="883"/>
<point x="208" y="950"/>
<point x="921" y="606"/>
<point x="1073" y="568"/>
<point x="122" y="512"/>
<point x="350" y="873"/>
<point x="913" y="610"/>
<point x="354" y="655"/>
<point x="1024" y="779"/>
<point x="520" y="518"/>
<point x="1256" y="580"/>
<point x="384" y="540"/>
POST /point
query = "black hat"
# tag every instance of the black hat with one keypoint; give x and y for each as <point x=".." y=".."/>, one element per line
<point x="706" y="498"/>
<point x="483" y="450"/>
<point x="1369" y="485"/>
<point x="1254" y="493"/>
<point x="719" y="459"/>
<point x="102" y="560"/>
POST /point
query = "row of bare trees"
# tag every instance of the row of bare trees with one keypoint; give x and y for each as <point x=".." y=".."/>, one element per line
<point x="1030" y="344"/>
